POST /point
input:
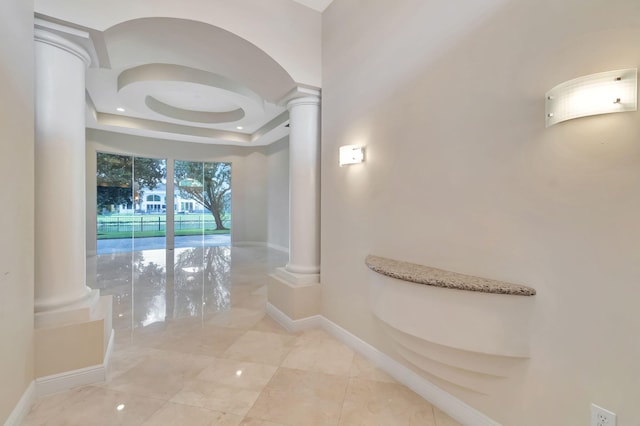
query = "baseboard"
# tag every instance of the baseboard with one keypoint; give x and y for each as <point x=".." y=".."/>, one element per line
<point x="248" y="244"/>
<point x="260" y="244"/>
<point x="278" y="247"/>
<point x="23" y="406"/>
<point x="70" y="379"/>
<point x="448" y="403"/>
<point x="292" y="325"/>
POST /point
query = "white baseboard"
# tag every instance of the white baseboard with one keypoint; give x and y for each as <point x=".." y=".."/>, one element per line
<point x="448" y="403"/>
<point x="23" y="406"/>
<point x="278" y="247"/>
<point x="248" y="244"/>
<point x="260" y="244"/>
<point x="70" y="379"/>
<point x="291" y="325"/>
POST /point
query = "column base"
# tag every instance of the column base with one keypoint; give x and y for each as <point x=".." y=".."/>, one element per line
<point x="73" y="338"/>
<point x="296" y="295"/>
<point x="297" y="279"/>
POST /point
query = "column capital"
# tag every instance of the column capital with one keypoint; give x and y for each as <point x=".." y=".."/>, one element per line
<point x="306" y="100"/>
<point x="300" y="92"/>
<point x="71" y="40"/>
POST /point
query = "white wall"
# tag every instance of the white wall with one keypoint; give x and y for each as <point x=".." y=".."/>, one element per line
<point x="461" y="174"/>
<point x="16" y="217"/>
<point x="278" y="194"/>
<point x="248" y="177"/>
<point x="254" y="200"/>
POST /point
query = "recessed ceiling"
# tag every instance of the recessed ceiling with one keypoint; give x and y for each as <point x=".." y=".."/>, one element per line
<point x="210" y="71"/>
<point x="187" y="81"/>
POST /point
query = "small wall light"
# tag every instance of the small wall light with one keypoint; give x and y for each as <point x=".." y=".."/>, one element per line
<point x="351" y="154"/>
<point x="602" y="93"/>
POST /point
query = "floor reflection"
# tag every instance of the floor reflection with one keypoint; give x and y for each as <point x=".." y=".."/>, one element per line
<point x="202" y="280"/>
<point x="158" y="286"/>
<point x="193" y="346"/>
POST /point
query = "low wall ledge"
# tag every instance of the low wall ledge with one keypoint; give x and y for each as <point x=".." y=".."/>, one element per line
<point x="421" y="274"/>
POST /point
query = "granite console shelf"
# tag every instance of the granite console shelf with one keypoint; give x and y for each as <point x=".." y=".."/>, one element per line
<point x="420" y="274"/>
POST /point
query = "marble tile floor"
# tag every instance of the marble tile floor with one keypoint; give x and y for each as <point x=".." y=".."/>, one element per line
<point x="195" y="347"/>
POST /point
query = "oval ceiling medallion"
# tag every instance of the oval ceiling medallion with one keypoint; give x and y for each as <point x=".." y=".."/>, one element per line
<point x="184" y="94"/>
<point x="191" y="115"/>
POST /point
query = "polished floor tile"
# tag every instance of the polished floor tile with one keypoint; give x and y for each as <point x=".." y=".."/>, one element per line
<point x="212" y="341"/>
<point x="291" y="408"/>
<point x="310" y="384"/>
<point x="194" y="346"/>
<point x="215" y="396"/>
<point x="380" y="403"/>
<point x="92" y="405"/>
<point x="245" y="375"/>
<point x="161" y="374"/>
<point x="365" y="369"/>
<point x="260" y="346"/>
<point x="316" y="350"/>
<point x="172" y="414"/>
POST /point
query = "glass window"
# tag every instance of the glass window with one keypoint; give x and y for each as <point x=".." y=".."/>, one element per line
<point x="204" y="194"/>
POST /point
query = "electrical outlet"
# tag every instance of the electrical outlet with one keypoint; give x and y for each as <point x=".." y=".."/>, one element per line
<point x="602" y="417"/>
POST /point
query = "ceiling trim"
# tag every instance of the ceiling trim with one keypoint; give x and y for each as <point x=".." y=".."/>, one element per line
<point x="319" y="5"/>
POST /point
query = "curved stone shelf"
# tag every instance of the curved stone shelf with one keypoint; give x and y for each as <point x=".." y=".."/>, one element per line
<point x="420" y="274"/>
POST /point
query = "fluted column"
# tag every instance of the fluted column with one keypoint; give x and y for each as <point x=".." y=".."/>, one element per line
<point x="60" y="217"/>
<point x="304" y="186"/>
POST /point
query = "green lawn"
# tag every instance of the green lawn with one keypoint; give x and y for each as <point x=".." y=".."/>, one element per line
<point x="145" y="234"/>
<point x="153" y="225"/>
<point x="154" y="217"/>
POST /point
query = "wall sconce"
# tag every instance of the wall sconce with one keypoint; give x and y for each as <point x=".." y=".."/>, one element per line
<point x="602" y="93"/>
<point x="351" y="154"/>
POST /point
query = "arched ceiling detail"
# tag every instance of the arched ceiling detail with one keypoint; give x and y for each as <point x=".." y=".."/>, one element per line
<point x="178" y="76"/>
<point x="199" y="46"/>
<point x="186" y="80"/>
<point x="285" y="30"/>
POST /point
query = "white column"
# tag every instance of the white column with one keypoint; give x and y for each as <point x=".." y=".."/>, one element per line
<point x="304" y="186"/>
<point x="60" y="217"/>
<point x="295" y="290"/>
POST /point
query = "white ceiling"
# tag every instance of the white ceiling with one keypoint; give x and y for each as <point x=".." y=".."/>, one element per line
<point x="209" y="71"/>
<point x="184" y="79"/>
<point x="319" y="5"/>
<point x="187" y="81"/>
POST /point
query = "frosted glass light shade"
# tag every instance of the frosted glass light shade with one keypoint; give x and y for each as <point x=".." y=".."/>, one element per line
<point x="351" y="154"/>
<point x="602" y="93"/>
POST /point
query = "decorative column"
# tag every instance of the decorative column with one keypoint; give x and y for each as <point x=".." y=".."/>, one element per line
<point x="304" y="186"/>
<point x="295" y="289"/>
<point x="60" y="207"/>
<point x="72" y="322"/>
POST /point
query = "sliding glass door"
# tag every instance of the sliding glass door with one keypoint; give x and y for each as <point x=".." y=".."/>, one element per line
<point x="202" y="199"/>
<point x="131" y="203"/>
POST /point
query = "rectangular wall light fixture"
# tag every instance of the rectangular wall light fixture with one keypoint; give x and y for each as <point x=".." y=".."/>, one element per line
<point x="351" y="154"/>
<point x="602" y="93"/>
